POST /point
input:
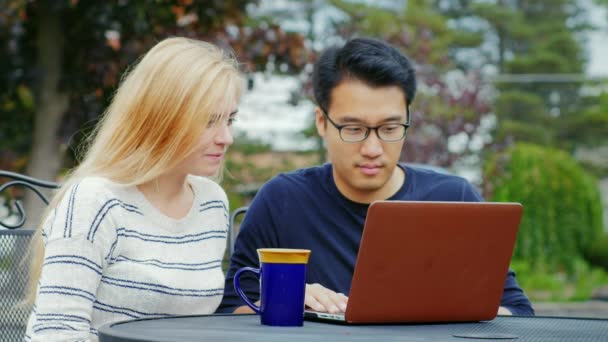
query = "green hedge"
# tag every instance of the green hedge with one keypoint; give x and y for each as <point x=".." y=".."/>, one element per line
<point x="597" y="253"/>
<point x="562" y="204"/>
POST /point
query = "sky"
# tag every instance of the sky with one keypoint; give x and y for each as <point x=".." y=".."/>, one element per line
<point x="597" y="43"/>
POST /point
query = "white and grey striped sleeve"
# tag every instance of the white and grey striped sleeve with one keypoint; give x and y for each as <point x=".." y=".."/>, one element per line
<point x="79" y="241"/>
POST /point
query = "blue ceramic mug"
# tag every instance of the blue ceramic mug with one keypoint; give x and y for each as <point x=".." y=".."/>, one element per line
<point x="282" y="275"/>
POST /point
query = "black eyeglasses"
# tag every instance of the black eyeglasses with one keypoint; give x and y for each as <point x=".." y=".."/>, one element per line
<point x="352" y="133"/>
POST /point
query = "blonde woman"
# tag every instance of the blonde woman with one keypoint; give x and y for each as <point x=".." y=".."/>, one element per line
<point x="138" y="230"/>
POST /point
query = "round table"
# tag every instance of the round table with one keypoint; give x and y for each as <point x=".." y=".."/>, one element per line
<point x="247" y="328"/>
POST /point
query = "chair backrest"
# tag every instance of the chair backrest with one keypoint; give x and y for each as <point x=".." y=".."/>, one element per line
<point x="14" y="270"/>
<point x="26" y="182"/>
<point x="233" y="228"/>
<point x="14" y="278"/>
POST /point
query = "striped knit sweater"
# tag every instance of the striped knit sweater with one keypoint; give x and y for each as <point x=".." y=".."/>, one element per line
<point x="110" y="256"/>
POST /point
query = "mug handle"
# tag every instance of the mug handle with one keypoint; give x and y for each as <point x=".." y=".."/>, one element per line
<point x="240" y="292"/>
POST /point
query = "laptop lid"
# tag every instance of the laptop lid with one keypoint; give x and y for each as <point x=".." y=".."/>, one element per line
<point x="432" y="261"/>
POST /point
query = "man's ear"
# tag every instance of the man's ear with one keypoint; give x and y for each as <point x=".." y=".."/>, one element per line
<point x="320" y="122"/>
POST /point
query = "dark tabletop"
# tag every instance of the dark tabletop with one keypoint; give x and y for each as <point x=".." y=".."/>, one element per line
<point x="248" y="328"/>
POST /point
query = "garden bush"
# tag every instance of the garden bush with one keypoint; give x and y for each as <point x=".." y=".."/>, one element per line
<point x="597" y="253"/>
<point x="562" y="205"/>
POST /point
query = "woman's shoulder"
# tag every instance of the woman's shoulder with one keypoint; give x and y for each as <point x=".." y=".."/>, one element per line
<point x="99" y="186"/>
<point x="206" y="188"/>
<point x="96" y="182"/>
<point x="88" y="206"/>
<point x="94" y="189"/>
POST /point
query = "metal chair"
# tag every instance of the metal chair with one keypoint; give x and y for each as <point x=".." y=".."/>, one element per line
<point x="29" y="183"/>
<point x="233" y="228"/>
<point x="14" y="273"/>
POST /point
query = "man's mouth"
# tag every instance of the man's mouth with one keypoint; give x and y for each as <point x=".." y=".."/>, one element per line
<point x="370" y="169"/>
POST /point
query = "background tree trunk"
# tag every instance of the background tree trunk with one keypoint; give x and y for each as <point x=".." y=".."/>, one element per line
<point x="45" y="157"/>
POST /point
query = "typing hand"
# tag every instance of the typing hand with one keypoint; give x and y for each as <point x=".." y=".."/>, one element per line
<point x="504" y="311"/>
<point x="322" y="299"/>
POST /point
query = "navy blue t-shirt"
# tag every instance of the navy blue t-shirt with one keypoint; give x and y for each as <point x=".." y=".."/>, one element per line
<point x="304" y="209"/>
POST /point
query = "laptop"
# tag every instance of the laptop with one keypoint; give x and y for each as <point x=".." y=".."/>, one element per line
<point x="424" y="262"/>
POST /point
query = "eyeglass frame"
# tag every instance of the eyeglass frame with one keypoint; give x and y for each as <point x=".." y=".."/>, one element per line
<point x="406" y="125"/>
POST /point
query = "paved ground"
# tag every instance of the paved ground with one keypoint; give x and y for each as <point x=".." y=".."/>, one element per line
<point x="594" y="308"/>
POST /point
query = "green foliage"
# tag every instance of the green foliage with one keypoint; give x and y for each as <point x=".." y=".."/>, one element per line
<point x="532" y="37"/>
<point x="101" y="39"/>
<point x="562" y="204"/>
<point x="597" y="253"/>
<point x="507" y="21"/>
<point x="522" y="117"/>
<point x="521" y="106"/>
<point x="587" y="279"/>
<point x="589" y="128"/>
<point x="419" y="28"/>
<point x="544" y="285"/>
<point x="248" y="146"/>
<point x="538" y="284"/>
<point x="602" y="3"/>
<point x="558" y="52"/>
<point x="522" y="131"/>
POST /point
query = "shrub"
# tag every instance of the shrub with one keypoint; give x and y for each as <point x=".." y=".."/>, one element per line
<point x="541" y="285"/>
<point x="562" y="205"/>
<point x="597" y="253"/>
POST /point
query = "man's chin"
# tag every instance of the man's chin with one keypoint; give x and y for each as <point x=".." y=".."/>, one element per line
<point x="370" y="185"/>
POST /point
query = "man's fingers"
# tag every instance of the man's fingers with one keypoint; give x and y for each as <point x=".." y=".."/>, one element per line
<point x="320" y="298"/>
<point x="339" y="300"/>
<point x="316" y="298"/>
<point x="326" y="298"/>
<point x="313" y="303"/>
<point x="504" y="311"/>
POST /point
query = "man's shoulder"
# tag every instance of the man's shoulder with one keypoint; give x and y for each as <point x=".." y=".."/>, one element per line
<point x="296" y="185"/>
<point x="432" y="183"/>
<point x="305" y="177"/>
<point x="432" y="174"/>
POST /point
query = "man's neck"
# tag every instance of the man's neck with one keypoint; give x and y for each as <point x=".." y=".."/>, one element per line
<point x="391" y="187"/>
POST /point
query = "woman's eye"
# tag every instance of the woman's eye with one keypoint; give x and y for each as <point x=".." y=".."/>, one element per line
<point x="212" y="121"/>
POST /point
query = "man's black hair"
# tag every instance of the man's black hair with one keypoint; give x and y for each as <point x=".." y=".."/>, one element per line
<point x="368" y="60"/>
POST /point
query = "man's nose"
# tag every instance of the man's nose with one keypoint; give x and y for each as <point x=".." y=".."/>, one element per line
<point x="372" y="145"/>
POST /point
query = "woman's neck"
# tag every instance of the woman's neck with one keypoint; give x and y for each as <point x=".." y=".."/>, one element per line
<point x="169" y="193"/>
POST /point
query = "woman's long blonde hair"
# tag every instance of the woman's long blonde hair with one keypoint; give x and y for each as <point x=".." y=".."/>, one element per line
<point x="157" y="115"/>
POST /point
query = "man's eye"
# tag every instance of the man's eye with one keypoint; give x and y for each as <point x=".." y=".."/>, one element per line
<point x="231" y="121"/>
<point x="353" y="129"/>
<point x="389" y="129"/>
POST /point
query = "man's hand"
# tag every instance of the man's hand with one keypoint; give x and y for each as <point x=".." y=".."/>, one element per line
<point x="245" y="309"/>
<point x="504" y="311"/>
<point x="322" y="299"/>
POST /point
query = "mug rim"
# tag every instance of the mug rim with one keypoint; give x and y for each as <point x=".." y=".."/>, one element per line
<point x="283" y="255"/>
<point x="284" y="250"/>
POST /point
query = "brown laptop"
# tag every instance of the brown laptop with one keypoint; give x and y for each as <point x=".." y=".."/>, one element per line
<point x="431" y="262"/>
